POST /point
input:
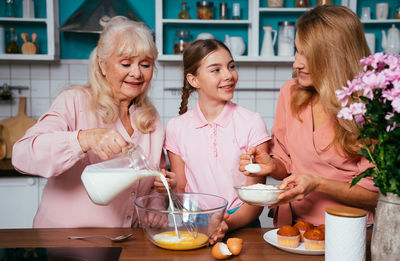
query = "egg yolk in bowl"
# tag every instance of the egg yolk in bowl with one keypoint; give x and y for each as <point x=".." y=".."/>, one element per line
<point x="185" y="241"/>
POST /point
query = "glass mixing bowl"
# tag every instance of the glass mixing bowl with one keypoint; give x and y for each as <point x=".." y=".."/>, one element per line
<point x="195" y="218"/>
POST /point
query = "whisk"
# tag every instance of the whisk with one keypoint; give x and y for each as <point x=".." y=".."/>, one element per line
<point x="187" y="218"/>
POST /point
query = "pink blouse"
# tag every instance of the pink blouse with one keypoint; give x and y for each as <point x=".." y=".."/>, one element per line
<point x="211" y="150"/>
<point x="51" y="149"/>
<point x="303" y="150"/>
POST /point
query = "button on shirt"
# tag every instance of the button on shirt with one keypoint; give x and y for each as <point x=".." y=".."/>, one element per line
<point x="211" y="150"/>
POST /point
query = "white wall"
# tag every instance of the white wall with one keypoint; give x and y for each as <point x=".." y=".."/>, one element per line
<point x="257" y="89"/>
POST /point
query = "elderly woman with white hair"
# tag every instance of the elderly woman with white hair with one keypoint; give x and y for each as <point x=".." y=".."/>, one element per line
<point x="92" y="123"/>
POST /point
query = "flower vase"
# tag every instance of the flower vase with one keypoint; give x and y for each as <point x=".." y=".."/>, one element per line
<point x="385" y="243"/>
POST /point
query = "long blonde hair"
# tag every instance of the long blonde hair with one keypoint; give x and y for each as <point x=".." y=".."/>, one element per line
<point x="134" y="39"/>
<point x="333" y="41"/>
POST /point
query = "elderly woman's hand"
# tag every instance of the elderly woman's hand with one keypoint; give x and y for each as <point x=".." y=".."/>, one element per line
<point x="299" y="186"/>
<point x="260" y="157"/>
<point x="171" y="179"/>
<point x="103" y="142"/>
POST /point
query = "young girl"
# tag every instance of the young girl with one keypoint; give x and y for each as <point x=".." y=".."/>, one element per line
<point x="204" y="144"/>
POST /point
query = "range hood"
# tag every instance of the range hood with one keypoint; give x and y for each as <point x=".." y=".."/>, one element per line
<point x="92" y="15"/>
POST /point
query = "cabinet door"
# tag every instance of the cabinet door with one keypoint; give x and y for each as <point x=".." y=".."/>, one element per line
<point x="19" y="199"/>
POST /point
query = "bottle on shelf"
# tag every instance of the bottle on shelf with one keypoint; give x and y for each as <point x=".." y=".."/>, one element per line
<point x="10" y="8"/>
<point x="184" y="14"/>
<point x="2" y="39"/>
<point x="12" y="46"/>
<point x="223" y="11"/>
<point x="28" y="9"/>
<point x="181" y="41"/>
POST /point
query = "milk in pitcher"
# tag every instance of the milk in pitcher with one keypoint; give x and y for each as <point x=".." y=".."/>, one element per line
<point x="105" y="180"/>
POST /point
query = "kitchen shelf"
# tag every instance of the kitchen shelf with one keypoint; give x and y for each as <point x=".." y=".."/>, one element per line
<point x="258" y="15"/>
<point x="242" y="58"/>
<point x="48" y="33"/>
<point x="27" y="57"/>
<point x="199" y="21"/>
<point x="387" y="21"/>
<point x="19" y="19"/>
<point x="283" y="10"/>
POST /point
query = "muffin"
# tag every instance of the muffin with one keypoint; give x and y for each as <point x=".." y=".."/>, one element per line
<point x="303" y="226"/>
<point x="314" y="239"/>
<point x="288" y="236"/>
<point x="321" y="227"/>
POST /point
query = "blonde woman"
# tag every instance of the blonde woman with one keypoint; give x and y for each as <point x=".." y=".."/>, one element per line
<point x="91" y="123"/>
<point x="313" y="150"/>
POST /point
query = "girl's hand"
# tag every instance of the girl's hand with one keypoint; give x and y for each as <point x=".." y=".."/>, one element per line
<point x="105" y="143"/>
<point x="171" y="179"/>
<point x="156" y="220"/>
<point x="260" y="157"/>
<point x="220" y="231"/>
<point x="299" y="186"/>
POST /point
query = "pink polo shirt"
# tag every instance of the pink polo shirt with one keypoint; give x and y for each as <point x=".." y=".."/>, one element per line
<point x="211" y="150"/>
<point x="303" y="150"/>
<point x="51" y="149"/>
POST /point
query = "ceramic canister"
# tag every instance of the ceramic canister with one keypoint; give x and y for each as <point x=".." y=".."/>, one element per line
<point x="345" y="233"/>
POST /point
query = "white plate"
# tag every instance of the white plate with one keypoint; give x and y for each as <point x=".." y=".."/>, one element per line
<point x="272" y="239"/>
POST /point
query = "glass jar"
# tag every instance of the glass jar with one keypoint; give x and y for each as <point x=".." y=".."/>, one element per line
<point x="181" y="41"/>
<point x="275" y="3"/>
<point x="204" y="10"/>
<point x="301" y="3"/>
<point x="286" y="38"/>
<point x="324" y="2"/>
<point x="236" y="11"/>
<point x="397" y="13"/>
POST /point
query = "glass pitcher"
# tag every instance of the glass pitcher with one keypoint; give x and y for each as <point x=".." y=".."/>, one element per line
<point x="104" y="181"/>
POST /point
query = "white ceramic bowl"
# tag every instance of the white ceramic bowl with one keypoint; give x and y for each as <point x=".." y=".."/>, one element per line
<point x="260" y="195"/>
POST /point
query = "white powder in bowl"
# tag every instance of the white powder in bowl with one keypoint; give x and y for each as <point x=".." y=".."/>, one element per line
<point x="259" y="194"/>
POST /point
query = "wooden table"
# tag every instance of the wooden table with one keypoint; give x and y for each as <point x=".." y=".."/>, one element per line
<point x="140" y="248"/>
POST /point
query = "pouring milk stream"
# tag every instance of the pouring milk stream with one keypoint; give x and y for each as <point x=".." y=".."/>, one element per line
<point x="106" y="180"/>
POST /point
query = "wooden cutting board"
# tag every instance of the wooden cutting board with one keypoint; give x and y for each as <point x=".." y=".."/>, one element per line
<point x="15" y="127"/>
<point x="2" y="144"/>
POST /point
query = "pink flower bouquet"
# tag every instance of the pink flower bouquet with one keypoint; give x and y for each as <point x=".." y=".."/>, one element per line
<point x="372" y="100"/>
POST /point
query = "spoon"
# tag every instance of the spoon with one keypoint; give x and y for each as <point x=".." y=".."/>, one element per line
<point x="113" y="239"/>
<point x="252" y="168"/>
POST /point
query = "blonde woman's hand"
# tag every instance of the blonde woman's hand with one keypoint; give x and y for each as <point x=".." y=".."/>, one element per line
<point x="299" y="185"/>
<point x="260" y="157"/>
<point x="105" y="143"/>
<point x="171" y="179"/>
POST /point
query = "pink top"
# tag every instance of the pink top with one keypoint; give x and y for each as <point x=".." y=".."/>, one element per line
<point x="51" y="149"/>
<point x="302" y="150"/>
<point x="211" y="151"/>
